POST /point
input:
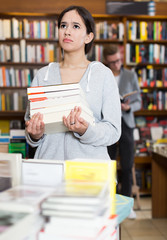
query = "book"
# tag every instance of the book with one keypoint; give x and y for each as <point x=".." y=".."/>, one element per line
<point x="24" y="198"/>
<point x="80" y="229"/>
<point x="131" y="96"/>
<point x="14" y="224"/>
<point x="56" y="101"/>
<point x="10" y="167"/>
<point x="77" y="192"/>
<point x="92" y="170"/>
<point x="53" y="88"/>
<point x="56" y="94"/>
<point x="61" y="108"/>
<point x="34" y="172"/>
<point x="78" y="200"/>
<point x="55" y="107"/>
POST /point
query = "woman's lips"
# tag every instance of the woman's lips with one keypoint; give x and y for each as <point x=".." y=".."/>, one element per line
<point x="67" y="40"/>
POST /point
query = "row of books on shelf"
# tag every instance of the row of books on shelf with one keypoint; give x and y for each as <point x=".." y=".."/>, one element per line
<point x="150" y="128"/>
<point x="150" y="53"/>
<point x="32" y="53"/>
<point x="50" y="201"/>
<point x="151" y="77"/>
<point x="28" y="28"/>
<point x="147" y="132"/>
<point x="106" y="30"/>
<point x="13" y="101"/>
<point x="154" y="100"/>
<point x="12" y="77"/>
<point x="13" y="141"/>
<point x="150" y="30"/>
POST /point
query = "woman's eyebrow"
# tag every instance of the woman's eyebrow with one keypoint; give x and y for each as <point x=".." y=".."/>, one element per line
<point x="77" y="23"/>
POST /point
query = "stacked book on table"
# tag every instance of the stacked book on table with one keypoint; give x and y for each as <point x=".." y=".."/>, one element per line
<point x="19" y="212"/>
<point x="57" y="101"/>
<point x="79" y="210"/>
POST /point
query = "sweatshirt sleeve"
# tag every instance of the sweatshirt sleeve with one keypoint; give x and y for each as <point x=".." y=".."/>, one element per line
<point x="27" y="117"/>
<point x="136" y="105"/>
<point x="106" y="130"/>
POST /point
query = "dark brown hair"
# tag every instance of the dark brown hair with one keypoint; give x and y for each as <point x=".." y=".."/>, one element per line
<point x="88" y="21"/>
<point x="110" y="50"/>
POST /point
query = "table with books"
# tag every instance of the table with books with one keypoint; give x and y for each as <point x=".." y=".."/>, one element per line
<point x="82" y="206"/>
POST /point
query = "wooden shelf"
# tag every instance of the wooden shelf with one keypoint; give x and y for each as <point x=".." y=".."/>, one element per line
<point x="103" y="41"/>
<point x="34" y="40"/>
<point x="20" y="64"/>
<point x="138" y="41"/>
<point x="156" y="65"/>
<point x="13" y="88"/>
<point x="143" y="159"/>
<point x="11" y="115"/>
<point x="154" y="88"/>
<point x="151" y="113"/>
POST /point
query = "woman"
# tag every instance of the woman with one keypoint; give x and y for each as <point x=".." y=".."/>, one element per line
<point x="76" y="34"/>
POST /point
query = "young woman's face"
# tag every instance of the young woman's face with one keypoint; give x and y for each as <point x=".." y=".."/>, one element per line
<point x="72" y="32"/>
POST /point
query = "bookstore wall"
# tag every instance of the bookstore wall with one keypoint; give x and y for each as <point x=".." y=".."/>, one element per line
<point x="29" y="41"/>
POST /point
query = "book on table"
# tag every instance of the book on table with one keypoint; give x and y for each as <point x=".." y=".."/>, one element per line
<point x="10" y="170"/>
<point x="15" y="224"/>
<point x="82" y="208"/>
<point x="24" y="198"/>
<point x="34" y="172"/>
<point x="93" y="170"/>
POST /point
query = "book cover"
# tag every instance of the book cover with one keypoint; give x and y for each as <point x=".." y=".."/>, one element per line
<point x="131" y="96"/>
<point x="52" y="88"/>
<point x="93" y="170"/>
<point x="34" y="172"/>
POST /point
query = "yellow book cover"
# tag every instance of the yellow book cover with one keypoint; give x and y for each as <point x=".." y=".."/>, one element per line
<point x="137" y="53"/>
<point x="130" y="31"/>
<point x="4" y="126"/>
<point x="93" y="171"/>
<point x="143" y="30"/>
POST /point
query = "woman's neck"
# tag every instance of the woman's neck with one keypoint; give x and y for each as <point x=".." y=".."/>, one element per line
<point x="74" y="61"/>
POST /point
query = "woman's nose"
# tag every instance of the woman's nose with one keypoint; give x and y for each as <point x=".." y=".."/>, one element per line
<point x="67" y="31"/>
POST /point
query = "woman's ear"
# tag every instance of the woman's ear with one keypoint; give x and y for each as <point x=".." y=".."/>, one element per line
<point x="89" y="38"/>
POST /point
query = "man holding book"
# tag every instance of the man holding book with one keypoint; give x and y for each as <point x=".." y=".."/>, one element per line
<point x="127" y="83"/>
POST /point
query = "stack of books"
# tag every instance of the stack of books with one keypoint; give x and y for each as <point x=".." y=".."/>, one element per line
<point x="79" y="210"/>
<point x="57" y="101"/>
<point x="19" y="225"/>
<point x="19" y="211"/>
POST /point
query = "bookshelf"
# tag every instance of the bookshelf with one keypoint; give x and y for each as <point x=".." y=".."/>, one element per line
<point x="27" y="42"/>
<point x="25" y="29"/>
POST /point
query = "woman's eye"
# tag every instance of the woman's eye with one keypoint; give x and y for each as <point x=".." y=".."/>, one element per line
<point x="76" y="26"/>
<point x="63" y="26"/>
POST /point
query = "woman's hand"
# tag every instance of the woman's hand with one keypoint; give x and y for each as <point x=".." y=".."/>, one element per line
<point x="35" y="126"/>
<point x="74" y="122"/>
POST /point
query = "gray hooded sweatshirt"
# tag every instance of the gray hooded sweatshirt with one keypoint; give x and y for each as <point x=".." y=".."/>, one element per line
<point x="102" y="95"/>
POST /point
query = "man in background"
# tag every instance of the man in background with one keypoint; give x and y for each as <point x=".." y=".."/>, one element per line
<point x="127" y="82"/>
